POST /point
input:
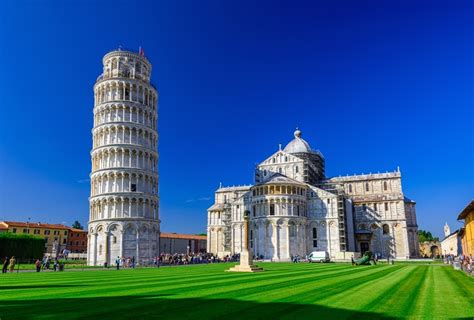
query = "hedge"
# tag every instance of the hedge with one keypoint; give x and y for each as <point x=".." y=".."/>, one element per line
<point x="22" y="246"/>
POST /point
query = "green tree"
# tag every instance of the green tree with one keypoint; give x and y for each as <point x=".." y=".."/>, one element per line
<point x="426" y="236"/>
<point x="77" y="225"/>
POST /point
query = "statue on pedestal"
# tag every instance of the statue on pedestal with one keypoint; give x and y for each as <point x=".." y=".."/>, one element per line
<point x="246" y="259"/>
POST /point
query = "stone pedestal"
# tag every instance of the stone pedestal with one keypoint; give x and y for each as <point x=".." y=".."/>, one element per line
<point x="246" y="261"/>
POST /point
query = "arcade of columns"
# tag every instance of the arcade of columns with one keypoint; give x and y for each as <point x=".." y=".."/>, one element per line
<point x="124" y="204"/>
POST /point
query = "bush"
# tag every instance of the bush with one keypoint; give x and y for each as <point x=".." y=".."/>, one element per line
<point x="22" y="246"/>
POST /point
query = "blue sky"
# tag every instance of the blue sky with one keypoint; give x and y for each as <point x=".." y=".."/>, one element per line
<point x="372" y="84"/>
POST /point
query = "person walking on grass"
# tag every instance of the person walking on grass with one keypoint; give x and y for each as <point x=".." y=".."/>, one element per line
<point x="38" y="265"/>
<point x="117" y="262"/>
<point x="11" y="266"/>
<point x="5" y="265"/>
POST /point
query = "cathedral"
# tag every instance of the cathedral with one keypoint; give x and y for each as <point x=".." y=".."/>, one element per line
<point x="295" y="209"/>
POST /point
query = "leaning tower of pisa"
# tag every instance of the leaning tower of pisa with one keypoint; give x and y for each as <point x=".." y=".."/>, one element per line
<point x="124" y="205"/>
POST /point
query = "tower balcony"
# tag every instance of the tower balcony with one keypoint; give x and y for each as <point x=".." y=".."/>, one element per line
<point x="122" y="74"/>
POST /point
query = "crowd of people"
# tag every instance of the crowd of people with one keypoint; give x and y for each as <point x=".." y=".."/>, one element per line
<point x="49" y="263"/>
<point x="175" y="259"/>
<point x="192" y="258"/>
<point x="465" y="262"/>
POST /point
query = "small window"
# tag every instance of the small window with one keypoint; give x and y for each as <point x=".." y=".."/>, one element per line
<point x="366" y="186"/>
<point x="298" y="210"/>
<point x="251" y="238"/>
<point x="385" y="185"/>
<point x="25" y="230"/>
<point x="114" y="240"/>
<point x="264" y="172"/>
<point x="254" y="209"/>
<point x="65" y="233"/>
<point x="350" y="188"/>
<point x="375" y="207"/>
<point x="77" y="243"/>
<point x="279" y="170"/>
<point x="315" y="243"/>
<point x="386" y="206"/>
<point x="329" y="201"/>
<point x="273" y="160"/>
<point x="14" y="230"/>
<point x="286" y="158"/>
<point x="64" y="241"/>
<point x="296" y="169"/>
<point x="386" y="229"/>
<point x="315" y="233"/>
<point x="364" y="207"/>
<point x="272" y="209"/>
<point x="133" y="187"/>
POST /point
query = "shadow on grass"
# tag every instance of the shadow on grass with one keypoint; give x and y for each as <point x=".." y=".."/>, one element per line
<point x="155" y="306"/>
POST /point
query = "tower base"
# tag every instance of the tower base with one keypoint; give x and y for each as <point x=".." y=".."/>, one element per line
<point x="240" y="268"/>
<point x="246" y="264"/>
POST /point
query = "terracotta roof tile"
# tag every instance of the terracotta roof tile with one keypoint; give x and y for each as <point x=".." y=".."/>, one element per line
<point x="35" y="225"/>
<point x="77" y="230"/>
<point x="182" y="236"/>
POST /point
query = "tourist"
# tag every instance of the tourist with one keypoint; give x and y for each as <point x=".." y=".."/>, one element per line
<point x="55" y="265"/>
<point x="11" y="266"/>
<point x="117" y="262"/>
<point x="38" y="265"/>
<point x="5" y="265"/>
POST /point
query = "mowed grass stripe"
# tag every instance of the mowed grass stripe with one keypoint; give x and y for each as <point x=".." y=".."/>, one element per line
<point x="202" y="292"/>
<point x="135" y="282"/>
<point x="398" y="298"/>
<point x="461" y="287"/>
<point x="365" y="288"/>
<point x="316" y="294"/>
<point x="231" y="282"/>
<point x="249" y="282"/>
<point x="311" y="280"/>
<point x="338" y="286"/>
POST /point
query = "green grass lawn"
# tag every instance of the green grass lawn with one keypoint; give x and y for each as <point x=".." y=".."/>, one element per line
<point x="283" y="291"/>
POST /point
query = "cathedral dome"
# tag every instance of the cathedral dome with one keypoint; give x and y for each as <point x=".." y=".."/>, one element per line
<point x="297" y="145"/>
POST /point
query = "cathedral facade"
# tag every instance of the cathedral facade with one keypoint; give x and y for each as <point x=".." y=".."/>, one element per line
<point x="294" y="209"/>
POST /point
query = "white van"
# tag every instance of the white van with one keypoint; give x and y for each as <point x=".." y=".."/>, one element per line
<point x="319" y="256"/>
